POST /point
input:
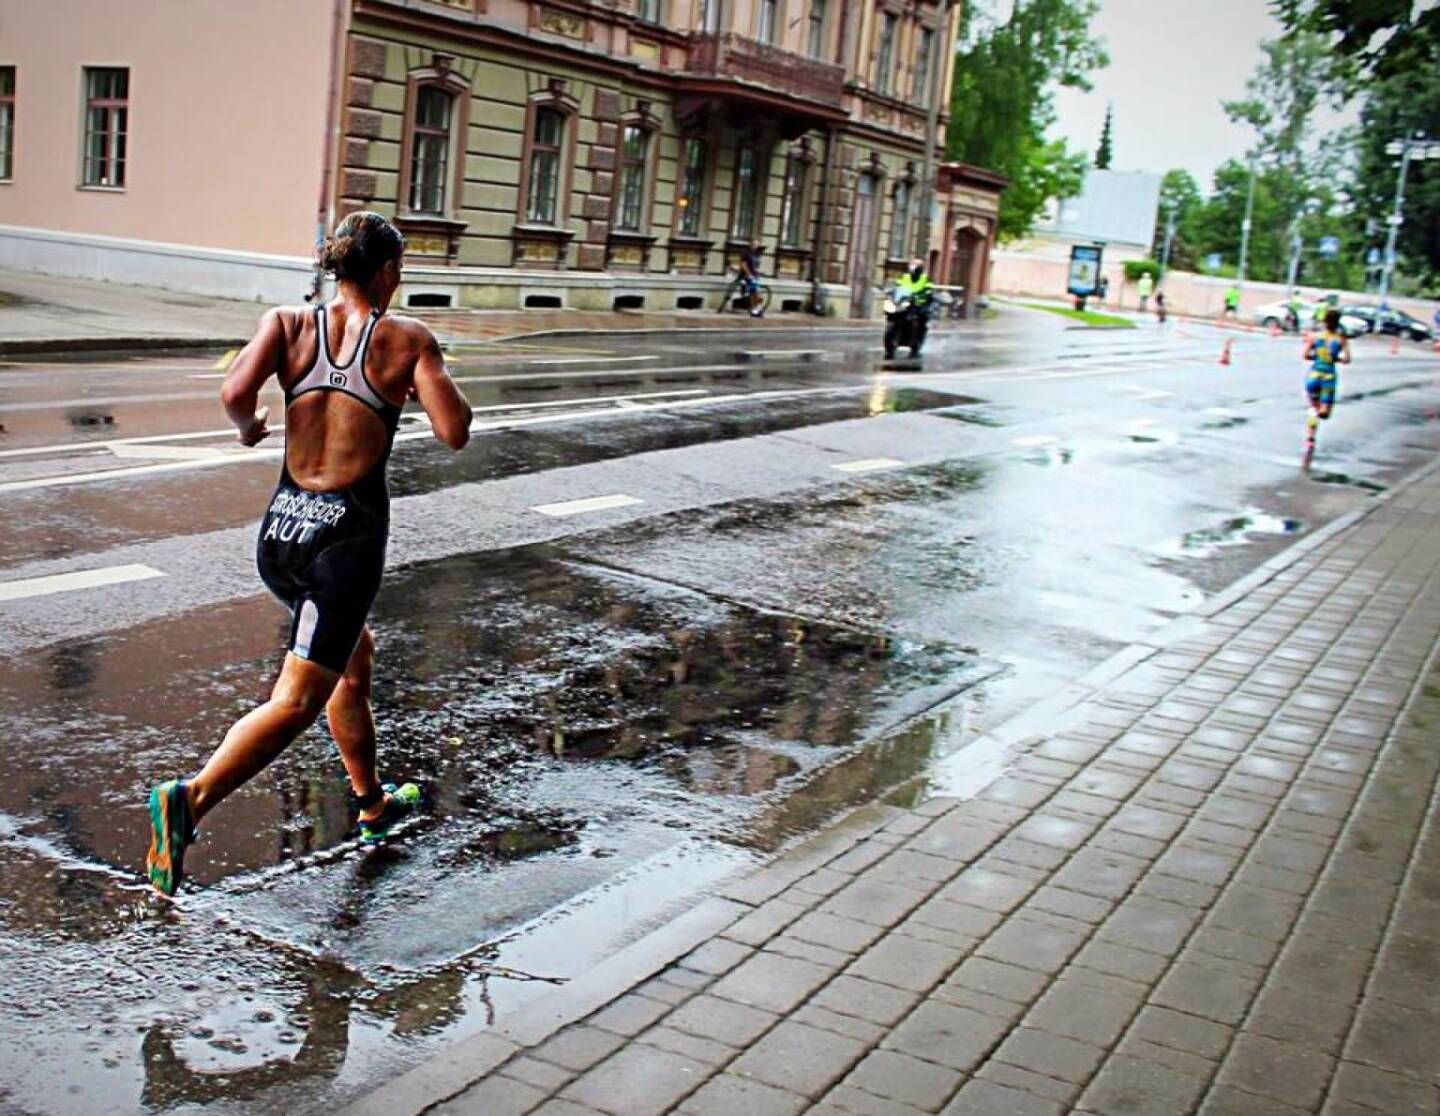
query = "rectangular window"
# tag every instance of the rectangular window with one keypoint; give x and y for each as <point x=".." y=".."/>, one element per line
<point x="431" y="150"/>
<point x="817" y="28"/>
<point x="768" y="20"/>
<point x="692" y="188"/>
<point x="648" y="10"/>
<point x="107" y="119"/>
<point x="792" y="212"/>
<point x="922" y="67"/>
<point x="545" y="166"/>
<point x="710" y="16"/>
<point x="900" y="229"/>
<point x="747" y="190"/>
<point x="885" y="61"/>
<point x="632" y="178"/>
<point x="7" y="121"/>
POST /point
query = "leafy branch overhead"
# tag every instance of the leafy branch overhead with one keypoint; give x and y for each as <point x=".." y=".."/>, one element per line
<point x="1002" y="103"/>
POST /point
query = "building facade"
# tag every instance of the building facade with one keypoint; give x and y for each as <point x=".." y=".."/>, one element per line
<point x="536" y="153"/>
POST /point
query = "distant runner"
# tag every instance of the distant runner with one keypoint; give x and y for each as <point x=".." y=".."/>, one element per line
<point x="322" y="542"/>
<point x="1232" y="302"/>
<point x="1326" y="353"/>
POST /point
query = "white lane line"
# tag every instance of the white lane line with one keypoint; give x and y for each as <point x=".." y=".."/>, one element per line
<point x="81" y="579"/>
<point x="207" y="375"/>
<point x="618" y="400"/>
<point x="589" y="504"/>
<point x="69" y="479"/>
<point x="167" y="453"/>
<point x="868" y="465"/>
<point x="589" y="360"/>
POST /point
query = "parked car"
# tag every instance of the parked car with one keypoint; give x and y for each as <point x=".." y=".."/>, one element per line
<point x="1278" y="314"/>
<point x="1380" y="320"/>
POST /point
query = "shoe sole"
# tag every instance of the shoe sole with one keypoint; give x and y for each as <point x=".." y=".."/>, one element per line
<point x="162" y="864"/>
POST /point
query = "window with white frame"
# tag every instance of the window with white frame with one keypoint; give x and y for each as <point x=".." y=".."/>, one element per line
<point x="885" y="58"/>
<point x="107" y="122"/>
<point x="817" y="28"/>
<point x="792" y="212"/>
<point x="922" y="66"/>
<point x="769" y="20"/>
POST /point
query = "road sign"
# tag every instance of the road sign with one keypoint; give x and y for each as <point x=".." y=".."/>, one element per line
<point x="1329" y="247"/>
<point x="1213" y="261"/>
<point x="1372" y="257"/>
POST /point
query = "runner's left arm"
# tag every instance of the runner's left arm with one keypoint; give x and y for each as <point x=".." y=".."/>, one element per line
<point x="256" y="363"/>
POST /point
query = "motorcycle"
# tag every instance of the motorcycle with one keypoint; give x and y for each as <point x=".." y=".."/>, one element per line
<point x="905" y="324"/>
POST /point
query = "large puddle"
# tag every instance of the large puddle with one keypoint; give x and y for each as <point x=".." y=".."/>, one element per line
<point x="595" y="742"/>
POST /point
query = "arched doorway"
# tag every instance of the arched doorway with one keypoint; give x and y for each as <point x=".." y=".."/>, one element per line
<point x="967" y="264"/>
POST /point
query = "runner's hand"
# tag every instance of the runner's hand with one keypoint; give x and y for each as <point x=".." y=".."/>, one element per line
<point x="258" y="430"/>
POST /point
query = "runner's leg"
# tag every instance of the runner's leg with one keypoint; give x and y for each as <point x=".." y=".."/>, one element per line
<point x="352" y="723"/>
<point x="299" y="694"/>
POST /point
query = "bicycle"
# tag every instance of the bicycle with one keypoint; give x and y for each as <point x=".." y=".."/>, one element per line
<point x="735" y="292"/>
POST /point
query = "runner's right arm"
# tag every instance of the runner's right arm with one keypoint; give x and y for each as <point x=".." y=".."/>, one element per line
<point x="448" y="409"/>
<point x="256" y="363"/>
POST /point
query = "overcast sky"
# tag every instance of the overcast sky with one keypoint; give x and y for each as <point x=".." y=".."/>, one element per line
<point x="1171" y="64"/>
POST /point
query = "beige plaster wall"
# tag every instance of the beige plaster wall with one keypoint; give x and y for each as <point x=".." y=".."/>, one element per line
<point x="226" y="128"/>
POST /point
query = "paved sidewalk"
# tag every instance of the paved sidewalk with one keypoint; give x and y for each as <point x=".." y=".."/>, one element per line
<point x="43" y="313"/>
<point x="1214" y="888"/>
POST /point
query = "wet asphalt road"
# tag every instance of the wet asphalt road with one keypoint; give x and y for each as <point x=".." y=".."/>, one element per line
<point x="809" y="576"/>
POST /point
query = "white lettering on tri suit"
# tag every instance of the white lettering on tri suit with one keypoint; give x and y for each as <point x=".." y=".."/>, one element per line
<point x="297" y="516"/>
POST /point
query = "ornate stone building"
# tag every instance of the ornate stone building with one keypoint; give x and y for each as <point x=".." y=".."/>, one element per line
<point x="537" y="153"/>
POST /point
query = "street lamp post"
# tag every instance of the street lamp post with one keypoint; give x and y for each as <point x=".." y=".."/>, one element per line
<point x="1245" y="224"/>
<point x="1169" y="239"/>
<point x="1408" y="147"/>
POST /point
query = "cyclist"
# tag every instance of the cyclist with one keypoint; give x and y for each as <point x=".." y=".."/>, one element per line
<point x="750" y="279"/>
<point x="1326" y="353"/>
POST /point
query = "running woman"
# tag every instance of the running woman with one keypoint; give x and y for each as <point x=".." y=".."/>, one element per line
<point x="347" y="369"/>
<point x="1326" y="353"/>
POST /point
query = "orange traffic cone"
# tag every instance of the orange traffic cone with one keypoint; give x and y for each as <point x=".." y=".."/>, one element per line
<point x="1225" y="352"/>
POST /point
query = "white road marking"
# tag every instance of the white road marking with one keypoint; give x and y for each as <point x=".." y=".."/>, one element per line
<point x="81" y="579"/>
<point x="167" y="453"/>
<point x="786" y="354"/>
<point x="591" y="360"/>
<point x="868" y="465"/>
<point x="208" y="375"/>
<point x="589" y="504"/>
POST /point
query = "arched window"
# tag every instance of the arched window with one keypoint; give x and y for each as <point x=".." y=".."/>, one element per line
<point x="430" y="150"/>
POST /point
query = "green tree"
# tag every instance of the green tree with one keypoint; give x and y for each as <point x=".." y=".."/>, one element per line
<point x="1179" y="194"/>
<point x="1002" y="105"/>
<point x="1371" y="38"/>
<point x="1396" y="106"/>
<point x="1104" y="153"/>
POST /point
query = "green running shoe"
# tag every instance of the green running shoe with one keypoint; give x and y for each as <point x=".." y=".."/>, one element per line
<point x="171" y="833"/>
<point x="402" y="801"/>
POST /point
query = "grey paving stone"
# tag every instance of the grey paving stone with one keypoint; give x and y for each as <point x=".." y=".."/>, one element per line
<point x="1268" y="876"/>
<point x="899" y="1077"/>
<point x="725" y="1095"/>
<point x="495" y="1096"/>
<point x="1396" y="1038"/>
<point x="1339" y="970"/>
<point x="995" y="891"/>
<point x="1127" y="1085"/>
<point x="532" y="1071"/>
<point x="1031" y="945"/>
<point x="821" y="882"/>
<point x="1180" y="1031"/>
<point x="863" y="1030"/>
<point x="771" y="982"/>
<point x="1232" y="945"/>
<point x="1052" y="1055"/>
<point x="1083" y="804"/>
<point x="1017" y="851"/>
<point x="1071" y="904"/>
<point x="640" y="1080"/>
<point x="558" y="1107"/>
<point x="862" y="856"/>
<point x="629" y="1015"/>
<point x="997" y="978"/>
<point x="1172" y="889"/>
<point x="824" y="956"/>
<point x="1303" y="1016"/>
<point x="1122" y="961"/>
<point x="800" y="1058"/>
<point x="834" y="930"/>
<point x="883" y="904"/>
<point x="848" y="1099"/>
<point x="1289" y="1073"/>
<point x="958" y="944"/>
<point x="1105" y="782"/>
<point x="1225" y="1101"/>
<point x="715" y="957"/>
<point x="1206" y="992"/>
<point x="722" y="1020"/>
<point x="665" y="990"/>
<point x="1382" y="1091"/>
<point x="1258" y="911"/>
<point x="1037" y="1084"/>
<point x="1181" y="1061"/>
<point x="578" y="1048"/>
<point x="1232" y="810"/>
<point x="879" y="1003"/>
<point x="1150" y="925"/>
<point x="987" y="1098"/>
<point x="948" y="914"/>
<point x="904" y="962"/>
<point x="1190" y="862"/>
<point x="1045" y="828"/>
<point x="1081" y="1009"/>
<point x="909" y="866"/>
<point x="704" y="1050"/>
<point x="951" y="1036"/>
<point x="1103" y="874"/>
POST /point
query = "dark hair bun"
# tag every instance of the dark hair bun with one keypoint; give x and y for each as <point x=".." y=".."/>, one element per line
<point x="361" y="245"/>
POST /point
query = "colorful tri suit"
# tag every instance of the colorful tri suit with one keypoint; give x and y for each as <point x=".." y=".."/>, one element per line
<point x="1324" y="378"/>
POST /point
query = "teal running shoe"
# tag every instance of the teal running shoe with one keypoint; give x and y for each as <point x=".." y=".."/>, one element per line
<point x="171" y="833"/>
<point x="400" y="803"/>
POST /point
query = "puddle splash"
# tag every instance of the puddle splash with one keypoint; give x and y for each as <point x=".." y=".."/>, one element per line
<point x="1237" y="530"/>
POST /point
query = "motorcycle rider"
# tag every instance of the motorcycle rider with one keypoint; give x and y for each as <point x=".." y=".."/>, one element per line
<point x="916" y="285"/>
